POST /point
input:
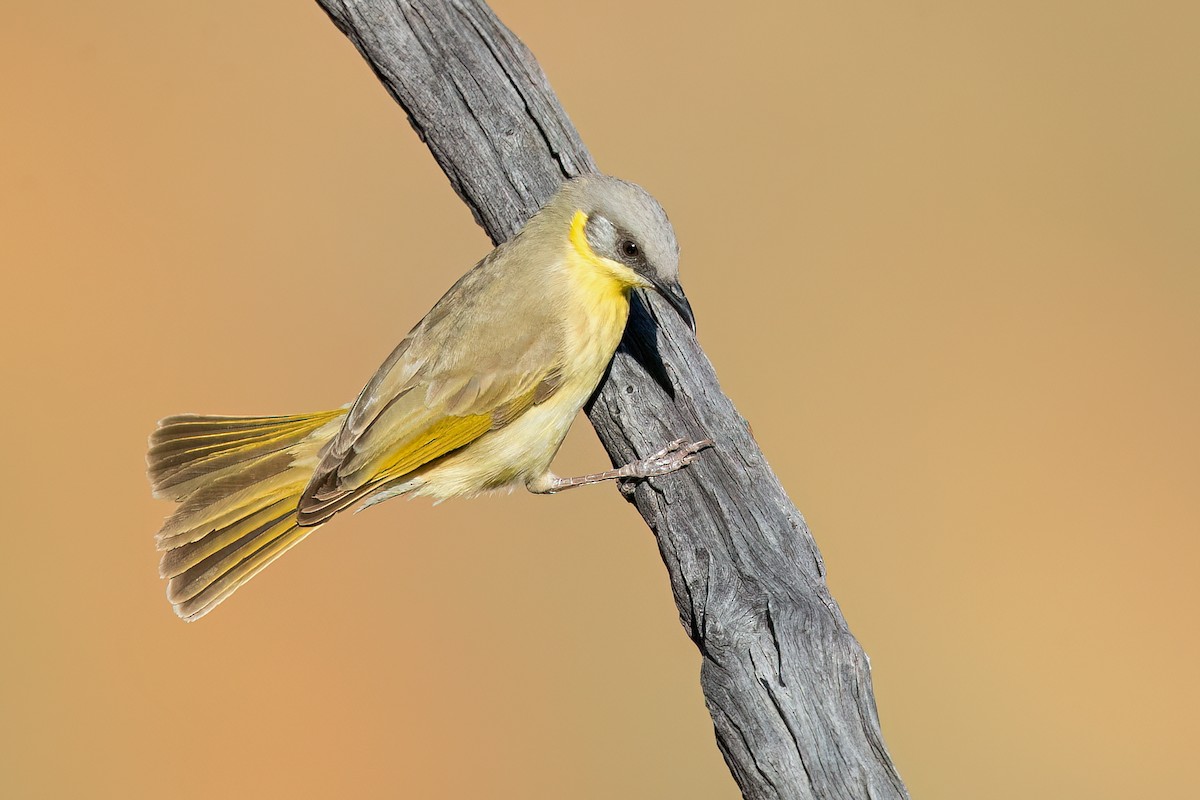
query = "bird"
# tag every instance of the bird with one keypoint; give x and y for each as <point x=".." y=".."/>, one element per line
<point x="477" y="397"/>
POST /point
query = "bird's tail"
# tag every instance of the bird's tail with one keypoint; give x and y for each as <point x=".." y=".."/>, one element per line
<point x="237" y="481"/>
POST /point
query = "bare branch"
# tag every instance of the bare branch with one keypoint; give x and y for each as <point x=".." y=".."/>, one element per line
<point x="788" y="686"/>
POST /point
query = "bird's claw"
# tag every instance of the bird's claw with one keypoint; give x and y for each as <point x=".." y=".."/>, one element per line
<point x="676" y="455"/>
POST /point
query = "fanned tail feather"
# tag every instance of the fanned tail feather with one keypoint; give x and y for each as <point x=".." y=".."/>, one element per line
<point x="237" y="481"/>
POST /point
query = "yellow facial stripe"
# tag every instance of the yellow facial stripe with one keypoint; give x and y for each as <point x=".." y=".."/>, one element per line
<point x="618" y="272"/>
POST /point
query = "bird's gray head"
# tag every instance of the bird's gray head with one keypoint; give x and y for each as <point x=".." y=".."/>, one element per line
<point x="622" y="223"/>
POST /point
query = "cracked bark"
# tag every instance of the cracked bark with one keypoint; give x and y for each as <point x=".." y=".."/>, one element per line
<point x="787" y="685"/>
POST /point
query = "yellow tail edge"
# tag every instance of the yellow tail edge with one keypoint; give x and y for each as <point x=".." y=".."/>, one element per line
<point x="237" y="481"/>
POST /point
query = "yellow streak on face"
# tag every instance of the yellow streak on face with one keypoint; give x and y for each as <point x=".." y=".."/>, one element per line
<point x="598" y="309"/>
<point x="623" y="276"/>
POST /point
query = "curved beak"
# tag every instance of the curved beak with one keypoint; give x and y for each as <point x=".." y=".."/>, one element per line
<point x="673" y="294"/>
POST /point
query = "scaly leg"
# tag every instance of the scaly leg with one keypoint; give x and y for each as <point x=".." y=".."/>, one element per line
<point x="676" y="455"/>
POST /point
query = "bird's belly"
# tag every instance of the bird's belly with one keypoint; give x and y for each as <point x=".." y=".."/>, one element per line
<point x="523" y="449"/>
<point x="509" y="456"/>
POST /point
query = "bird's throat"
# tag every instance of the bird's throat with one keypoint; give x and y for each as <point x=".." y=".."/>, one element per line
<point x="598" y="306"/>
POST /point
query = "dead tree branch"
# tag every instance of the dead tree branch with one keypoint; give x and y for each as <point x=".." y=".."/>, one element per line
<point x="788" y="686"/>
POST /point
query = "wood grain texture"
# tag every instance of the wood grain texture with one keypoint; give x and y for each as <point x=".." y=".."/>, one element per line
<point x="788" y="686"/>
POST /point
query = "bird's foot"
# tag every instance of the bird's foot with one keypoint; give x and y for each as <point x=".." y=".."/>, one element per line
<point x="677" y="455"/>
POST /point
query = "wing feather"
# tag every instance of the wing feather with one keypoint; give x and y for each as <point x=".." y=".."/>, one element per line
<point x="488" y="351"/>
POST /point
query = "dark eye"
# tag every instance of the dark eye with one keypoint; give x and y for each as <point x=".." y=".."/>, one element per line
<point x="629" y="248"/>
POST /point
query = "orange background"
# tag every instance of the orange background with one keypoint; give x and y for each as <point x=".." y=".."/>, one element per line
<point x="944" y="257"/>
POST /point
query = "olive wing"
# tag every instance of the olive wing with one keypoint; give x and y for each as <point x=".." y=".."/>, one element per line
<point x="486" y="353"/>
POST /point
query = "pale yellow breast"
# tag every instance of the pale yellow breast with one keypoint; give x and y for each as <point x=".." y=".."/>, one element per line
<point x="594" y="297"/>
<point x="598" y="311"/>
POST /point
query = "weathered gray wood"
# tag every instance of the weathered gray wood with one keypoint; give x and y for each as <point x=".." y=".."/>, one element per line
<point x="788" y="686"/>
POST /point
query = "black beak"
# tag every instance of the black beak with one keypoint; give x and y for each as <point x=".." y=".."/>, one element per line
<point x="673" y="294"/>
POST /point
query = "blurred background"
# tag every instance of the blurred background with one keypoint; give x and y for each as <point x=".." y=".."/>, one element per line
<point x="944" y="258"/>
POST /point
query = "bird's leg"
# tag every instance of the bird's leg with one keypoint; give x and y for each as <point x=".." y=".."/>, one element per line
<point x="676" y="455"/>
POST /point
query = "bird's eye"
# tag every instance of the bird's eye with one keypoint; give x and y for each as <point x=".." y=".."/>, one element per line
<point x="629" y="248"/>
